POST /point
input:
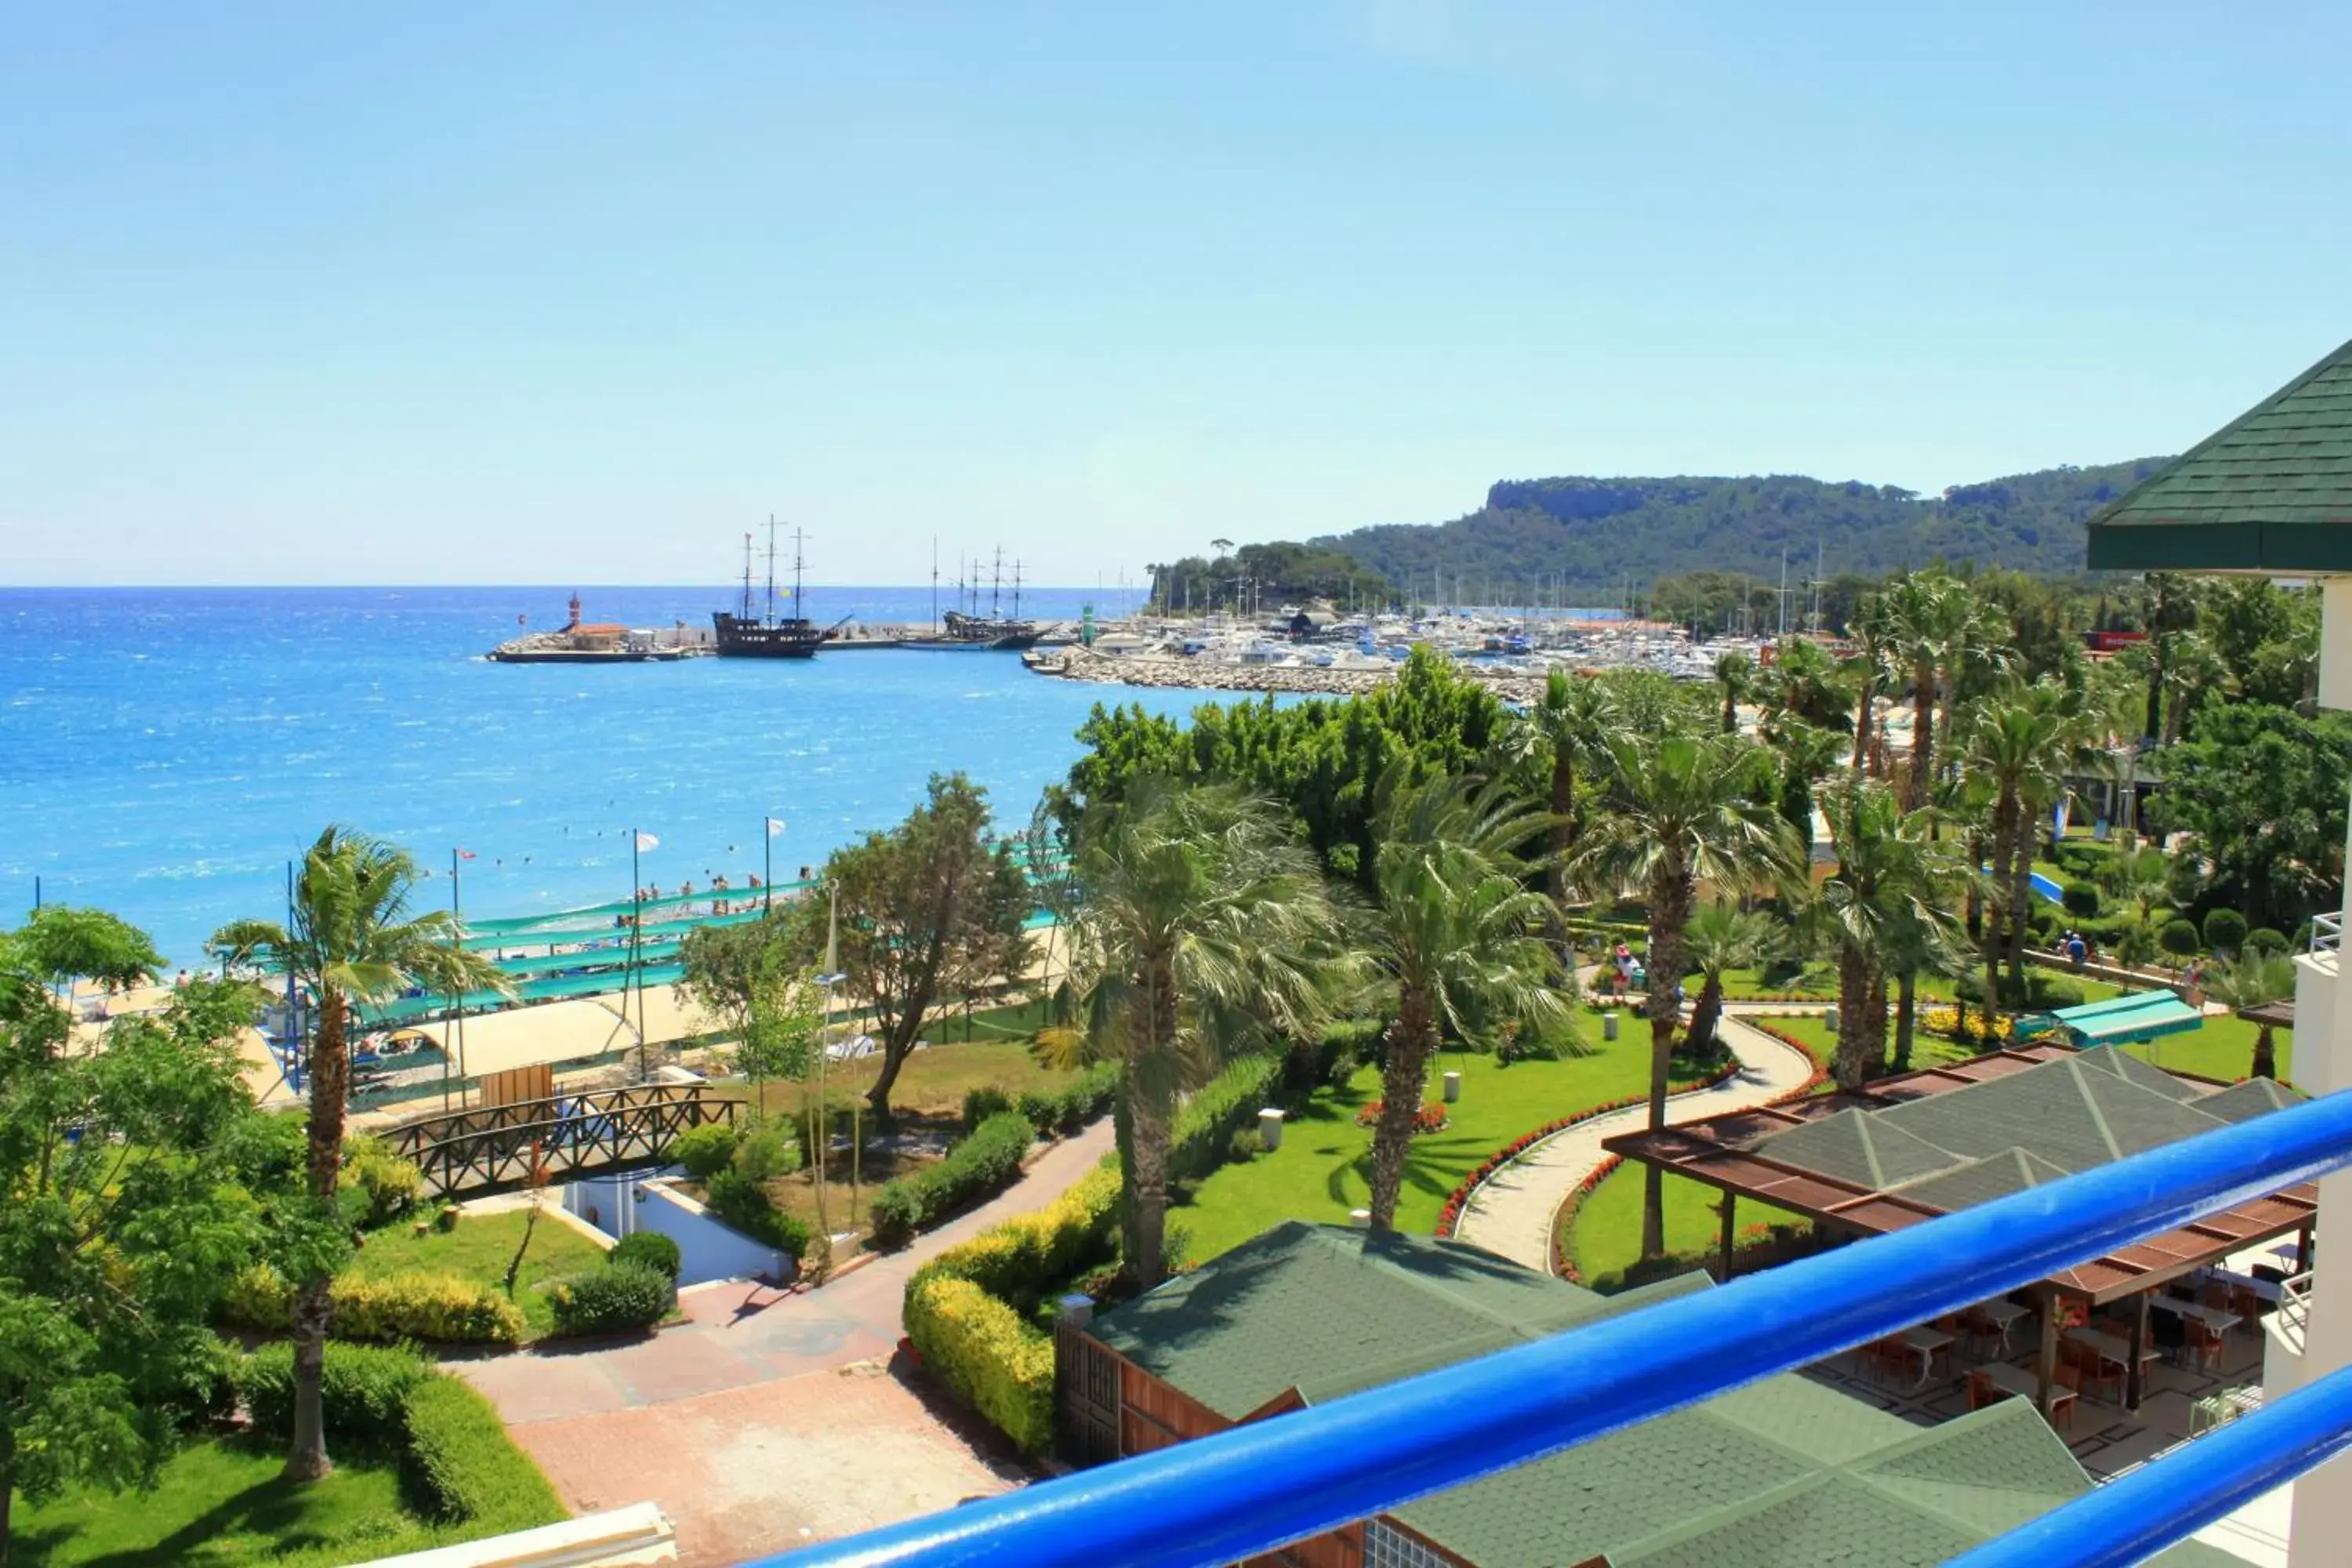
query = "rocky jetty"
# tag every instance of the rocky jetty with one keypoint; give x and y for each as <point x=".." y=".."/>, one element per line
<point x="1220" y="675"/>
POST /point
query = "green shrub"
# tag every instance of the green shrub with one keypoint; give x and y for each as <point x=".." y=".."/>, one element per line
<point x="704" y="1151"/>
<point x="362" y="1388"/>
<point x="2045" y="922"/>
<point x="458" y="1466"/>
<point x="743" y="1203"/>
<point x="2080" y="899"/>
<point x="2044" y="991"/>
<point x="1203" y="1132"/>
<point x="1031" y="1257"/>
<point x="2225" y="931"/>
<point x="648" y="1249"/>
<point x="981" y="1348"/>
<point x="619" y="1297"/>
<point x="2178" y="938"/>
<point x="983" y="1164"/>
<point x="988" y="1100"/>
<point x="2266" y="942"/>
<point x="1335" y="1053"/>
<point x="385" y="1308"/>
<point x="2079" y="858"/>
<point x="766" y="1152"/>
<point x="385" y="1184"/>
<point x="1247" y="1145"/>
<point x="1064" y="1110"/>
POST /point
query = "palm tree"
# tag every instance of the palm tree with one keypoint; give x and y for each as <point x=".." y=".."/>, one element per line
<point x="1201" y="922"/>
<point x="1944" y="633"/>
<point x="1459" y="932"/>
<point x="1564" y="732"/>
<point x="1806" y="755"/>
<point x="2254" y="980"/>
<point x="1808" y="684"/>
<point x="2016" y="747"/>
<point x="1871" y="630"/>
<point x="1722" y="936"/>
<point x="1735" y="674"/>
<point x="1681" y="811"/>
<point x="353" y="943"/>
<point x="1880" y="906"/>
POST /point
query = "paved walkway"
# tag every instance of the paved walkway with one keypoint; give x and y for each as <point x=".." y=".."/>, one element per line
<point x="743" y="1334"/>
<point x="1512" y="1212"/>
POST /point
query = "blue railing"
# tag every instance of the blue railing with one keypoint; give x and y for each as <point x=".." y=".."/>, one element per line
<point x="1247" y="1490"/>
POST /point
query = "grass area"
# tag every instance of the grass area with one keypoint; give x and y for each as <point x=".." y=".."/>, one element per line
<point x="479" y="1250"/>
<point x="1323" y="1168"/>
<point x="2222" y="1050"/>
<point x="1607" y="1234"/>
<point x="934" y="1081"/>
<point x="221" y="1503"/>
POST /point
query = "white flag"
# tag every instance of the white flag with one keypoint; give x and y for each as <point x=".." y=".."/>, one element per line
<point x="775" y="826"/>
<point x="648" y="841"/>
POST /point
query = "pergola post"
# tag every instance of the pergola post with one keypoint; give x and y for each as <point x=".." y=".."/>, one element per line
<point x="2045" y="1366"/>
<point x="1730" y="1203"/>
<point x="2132" y="1377"/>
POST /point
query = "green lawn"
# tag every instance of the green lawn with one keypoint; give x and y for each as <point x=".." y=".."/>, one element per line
<point x="479" y="1250"/>
<point x="1322" y="1169"/>
<point x="2222" y="1050"/>
<point x="221" y="1504"/>
<point x="1607" y="1233"/>
<point x="934" y="1081"/>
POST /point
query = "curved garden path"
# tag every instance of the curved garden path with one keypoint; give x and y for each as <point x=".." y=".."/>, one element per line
<point x="1512" y="1211"/>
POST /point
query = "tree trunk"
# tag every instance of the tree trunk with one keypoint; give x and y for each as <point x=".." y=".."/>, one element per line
<point x="897" y="1043"/>
<point x="2020" y="892"/>
<point x="1404" y="1078"/>
<point x="1906" y="1011"/>
<point x="7" y="1486"/>
<point x="1862" y="717"/>
<point x="1149" y="1122"/>
<point x="313" y="1304"/>
<point x="1852" y="1064"/>
<point x="1923" y="736"/>
<point x="2265" y="1054"/>
<point x="1700" y="1041"/>
<point x="1670" y="900"/>
<point x="1560" y="838"/>
<point x="1874" y="1020"/>
<point x="1730" y="711"/>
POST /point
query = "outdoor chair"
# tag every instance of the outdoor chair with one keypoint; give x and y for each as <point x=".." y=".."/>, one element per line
<point x="2205" y="1344"/>
<point x="2066" y="1386"/>
<point x="1982" y="1390"/>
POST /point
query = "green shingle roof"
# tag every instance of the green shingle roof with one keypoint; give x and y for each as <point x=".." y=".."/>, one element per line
<point x="1981" y="1180"/>
<point x="2245" y="1102"/>
<point x="1866" y="1150"/>
<point x="2270" y="492"/>
<point x="1785" y="1473"/>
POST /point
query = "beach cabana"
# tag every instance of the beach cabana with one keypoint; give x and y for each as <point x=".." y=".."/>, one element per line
<point x="2132" y="1019"/>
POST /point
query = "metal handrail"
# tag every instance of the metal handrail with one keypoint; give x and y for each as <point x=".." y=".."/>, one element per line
<point x="2294" y="1314"/>
<point x="2327" y="932"/>
<point x="1254" y="1487"/>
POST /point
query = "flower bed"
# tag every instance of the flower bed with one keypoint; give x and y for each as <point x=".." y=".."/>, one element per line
<point x="1432" y="1118"/>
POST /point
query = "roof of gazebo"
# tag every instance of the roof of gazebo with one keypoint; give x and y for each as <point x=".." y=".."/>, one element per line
<point x="1922" y="1145"/>
<point x="2271" y="492"/>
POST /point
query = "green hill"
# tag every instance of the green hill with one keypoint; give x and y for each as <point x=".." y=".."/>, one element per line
<point x="1594" y="532"/>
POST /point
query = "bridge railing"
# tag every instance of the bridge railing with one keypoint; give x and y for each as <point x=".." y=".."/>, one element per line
<point x="1250" y="1490"/>
<point x="498" y="1146"/>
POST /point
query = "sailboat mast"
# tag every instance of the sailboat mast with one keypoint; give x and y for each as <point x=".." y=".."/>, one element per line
<point x="799" y="537"/>
<point x="1016" y="589"/>
<point x="996" y="588"/>
<point x="771" y="568"/>
<point x="747" y="574"/>
<point x="935" y="583"/>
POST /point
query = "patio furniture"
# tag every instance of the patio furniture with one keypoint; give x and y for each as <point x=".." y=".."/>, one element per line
<point x="1928" y="1343"/>
<point x="2092" y="1370"/>
<point x="2009" y="1380"/>
<point x="2220" y="1409"/>
<point x="2205" y="1344"/>
<point x="2001" y="1314"/>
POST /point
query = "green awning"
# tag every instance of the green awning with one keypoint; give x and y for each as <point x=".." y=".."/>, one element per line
<point x="2141" y="1015"/>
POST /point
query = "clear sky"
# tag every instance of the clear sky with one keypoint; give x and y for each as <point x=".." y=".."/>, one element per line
<point x="545" y="293"/>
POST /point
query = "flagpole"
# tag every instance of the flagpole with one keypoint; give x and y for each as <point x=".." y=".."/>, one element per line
<point x="636" y="970"/>
<point x="768" y="886"/>
<point x="458" y="1028"/>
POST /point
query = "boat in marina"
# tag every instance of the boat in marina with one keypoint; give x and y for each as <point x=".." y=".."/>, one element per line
<point x="583" y="642"/>
<point x="749" y="634"/>
<point x="969" y="631"/>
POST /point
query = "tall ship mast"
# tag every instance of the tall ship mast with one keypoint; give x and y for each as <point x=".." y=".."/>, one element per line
<point x="766" y="635"/>
<point x="966" y="629"/>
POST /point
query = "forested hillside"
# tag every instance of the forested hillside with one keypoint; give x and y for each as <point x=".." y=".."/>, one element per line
<point x="1594" y="532"/>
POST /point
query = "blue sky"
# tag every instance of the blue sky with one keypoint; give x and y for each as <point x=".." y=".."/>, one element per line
<point x="542" y="292"/>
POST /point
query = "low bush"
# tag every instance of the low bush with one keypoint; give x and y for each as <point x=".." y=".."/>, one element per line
<point x="1203" y="1134"/>
<point x="2081" y="898"/>
<point x="743" y="1203"/>
<point x="705" y="1151"/>
<point x="1333" y="1054"/>
<point x="648" y="1249"/>
<point x="764" y="1152"/>
<point x="379" y="1186"/>
<point x="1031" y="1256"/>
<point x="385" y="1308"/>
<point x="2178" y="938"/>
<point x="1060" y="1111"/>
<point x="2044" y="991"/>
<point x="2225" y="930"/>
<point x="458" y="1466"/>
<point x="985" y="1102"/>
<point x="363" y="1391"/>
<point x="1247" y="1144"/>
<point x="980" y="1347"/>
<point x="2080" y="859"/>
<point x="983" y="1164"/>
<point x="619" y="1297"/>
<point x="2265" y="941"/>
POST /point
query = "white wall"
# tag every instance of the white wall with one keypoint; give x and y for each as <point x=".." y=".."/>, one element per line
<point x="640" y="1200"/>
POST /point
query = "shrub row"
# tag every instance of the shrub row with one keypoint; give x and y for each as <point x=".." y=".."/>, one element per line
<point x="456" y="1460"/>
<point x="1062" y="1111"/>
<point x="649" y="1249"/>
<point x="743" y="1203"/>
<point x="1202" y="1136"/>
<point x="384" y="1309"/>
<point x="983" y="1164"/>
<point x="623" y="1297"/>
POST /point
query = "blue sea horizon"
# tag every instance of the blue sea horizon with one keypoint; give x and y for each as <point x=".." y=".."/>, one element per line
<point x="164" y="752"/>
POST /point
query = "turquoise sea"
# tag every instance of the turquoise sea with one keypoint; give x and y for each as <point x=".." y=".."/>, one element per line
<point x="164" y="753"/>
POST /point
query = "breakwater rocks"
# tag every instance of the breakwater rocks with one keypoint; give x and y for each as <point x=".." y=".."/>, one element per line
<point x="1217" y="675"/>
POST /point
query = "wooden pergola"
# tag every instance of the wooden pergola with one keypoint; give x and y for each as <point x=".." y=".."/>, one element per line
<point x="1881" y="1184"/>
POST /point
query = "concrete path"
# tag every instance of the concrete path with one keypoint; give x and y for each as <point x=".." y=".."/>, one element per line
<point x="1512" y="1212"/>
<point x="743" y="1334"/>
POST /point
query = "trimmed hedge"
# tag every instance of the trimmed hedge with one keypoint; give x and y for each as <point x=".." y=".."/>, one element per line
<point x="364" y="1389"/>
<point x="743" y="1203"/>
<point x="983" y="1164"/>
<point x="618" y="1298"/>
<point x="984" y="1102"/>
<point x="2225" y="930"/>
<point x="705" y="1151"/>
<point x="384" y="1310"/>
<point x="648" y="1249"/>
<point x="985" y="1353"/>
<point x="458" y="1466"/>
<point x="1032" y="1255"/>
<point x="2081" y="898"/>
<point x="1060" y="1110"/>
<point x="2265" y="941"/>
<point x="1203" y="1134"/>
